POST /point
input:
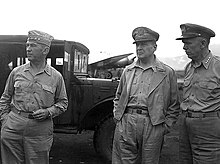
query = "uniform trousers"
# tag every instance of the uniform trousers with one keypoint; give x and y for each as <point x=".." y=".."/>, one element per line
<point x="199" y="140"/>
<point x="25" y="141"/>
<point x="137" y="141"/>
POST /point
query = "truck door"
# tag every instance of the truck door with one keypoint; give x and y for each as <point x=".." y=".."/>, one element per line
<point x="74" y="66"/>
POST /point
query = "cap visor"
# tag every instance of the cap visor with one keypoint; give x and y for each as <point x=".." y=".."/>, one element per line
<point x="145" y="40"/>
<point x="179" y="38"/>
<point x="186" y="37"/>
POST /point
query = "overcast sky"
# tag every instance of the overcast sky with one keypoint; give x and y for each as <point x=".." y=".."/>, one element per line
<point x="105" y="26"/>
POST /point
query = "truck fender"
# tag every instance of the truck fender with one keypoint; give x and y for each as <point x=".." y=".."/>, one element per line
<point x="96" y="114"/>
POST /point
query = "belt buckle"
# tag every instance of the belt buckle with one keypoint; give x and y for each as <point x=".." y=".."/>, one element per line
<point x="30" y="116"/>
<point x="192" y="115"/>
<point x="201" y="115"/>
<point x="188" y="114"/>
<point x="139" y="111"/>
<point x="195" y="115"/>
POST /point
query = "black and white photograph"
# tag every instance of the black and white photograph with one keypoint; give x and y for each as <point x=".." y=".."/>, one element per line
<point x="110" y="82"/>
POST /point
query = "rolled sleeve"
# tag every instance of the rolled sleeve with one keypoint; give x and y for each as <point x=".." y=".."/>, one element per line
<point x="61" y="100"/>
<point x="6" y="97"/>
<point x="173" y="110"/>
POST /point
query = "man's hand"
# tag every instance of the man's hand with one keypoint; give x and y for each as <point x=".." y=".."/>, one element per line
<point x="41" y="114"/>
<point x="3" y="118"/>
<point x="167" y="129"/>
<point x="115" y="120"/>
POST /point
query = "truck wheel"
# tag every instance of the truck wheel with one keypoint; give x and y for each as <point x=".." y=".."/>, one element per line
<point x="103" y="138"/>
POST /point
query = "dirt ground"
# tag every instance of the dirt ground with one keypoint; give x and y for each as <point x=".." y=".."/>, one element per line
<point x="78" y="149"/>
<point x="74" y="149"/>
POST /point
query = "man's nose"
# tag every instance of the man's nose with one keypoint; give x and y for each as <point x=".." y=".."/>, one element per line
<point x="28" y="48"/>
<point x="139" y="46"/>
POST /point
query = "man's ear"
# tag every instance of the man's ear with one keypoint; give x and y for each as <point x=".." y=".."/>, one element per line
<point x="204" y="43"/>
<point x="155" y="46"/>
<point x="46" y="50"/>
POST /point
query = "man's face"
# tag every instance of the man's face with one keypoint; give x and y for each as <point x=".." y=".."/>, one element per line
<point x="192" y="47"/>
<point x="35" y="51"/>
<point x="145" y="49"/>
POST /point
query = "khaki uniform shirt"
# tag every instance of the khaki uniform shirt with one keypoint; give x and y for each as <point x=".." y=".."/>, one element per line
<point x="162" y="94"/>
<point x="30" y="93"/>
<point x="140" y="87"/>
<point x="201" y="89"/>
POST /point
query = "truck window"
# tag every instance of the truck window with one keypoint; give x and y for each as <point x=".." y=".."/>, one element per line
<point x="81" y="62"/>
<point x="21" y="60"/>
<point x="59" y="61"/>
<point x="49" y="61"/>
<point x="67" y="60"/>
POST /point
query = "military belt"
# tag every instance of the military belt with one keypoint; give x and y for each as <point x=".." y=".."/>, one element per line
<point x="192" y="114"/>
<point x="22" y="113"/>
<point x="138" y="111"/>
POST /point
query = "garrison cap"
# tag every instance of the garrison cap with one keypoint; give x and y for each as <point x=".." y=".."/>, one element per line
<point x="141" y="34"/>
<point x="40" y="37"/>
<point x="193" y="30"/>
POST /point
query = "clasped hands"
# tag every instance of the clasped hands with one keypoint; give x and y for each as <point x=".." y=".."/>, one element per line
<point x="40" y="114"/>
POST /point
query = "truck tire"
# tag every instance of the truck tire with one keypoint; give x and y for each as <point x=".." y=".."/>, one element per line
<point x="103" y="138"/>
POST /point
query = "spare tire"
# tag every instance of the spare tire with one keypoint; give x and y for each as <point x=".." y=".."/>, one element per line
<point x="103" y="138"/>
<point x="108" y="75"/>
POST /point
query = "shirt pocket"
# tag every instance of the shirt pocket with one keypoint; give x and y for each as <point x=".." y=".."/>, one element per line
<point x="21" y="87"/>
<point x="17" y="87"/>
<point x="47" y="95"/>
<point x="48" y="89"/>
<point x="207" y="90"/>
<point x="209" y="85"/>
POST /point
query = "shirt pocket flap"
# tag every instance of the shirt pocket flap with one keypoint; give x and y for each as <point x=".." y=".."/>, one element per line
<point x="17" y="84"/>
<point x="48" y="88"/>
<point x="207" y="85"/>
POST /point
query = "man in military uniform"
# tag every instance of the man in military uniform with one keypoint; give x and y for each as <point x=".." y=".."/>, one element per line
<point x="34" y="94"/>
<point x="146" y="104"/>
<point x="199" y="129"/>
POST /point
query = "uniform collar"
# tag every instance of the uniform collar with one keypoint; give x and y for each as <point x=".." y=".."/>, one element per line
<point x="156" y="65"/>
<point x="206" y="61"/>
<point x="47" y="68"/>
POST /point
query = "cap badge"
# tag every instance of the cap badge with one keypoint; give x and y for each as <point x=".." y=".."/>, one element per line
<point x="184" y="29"/>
